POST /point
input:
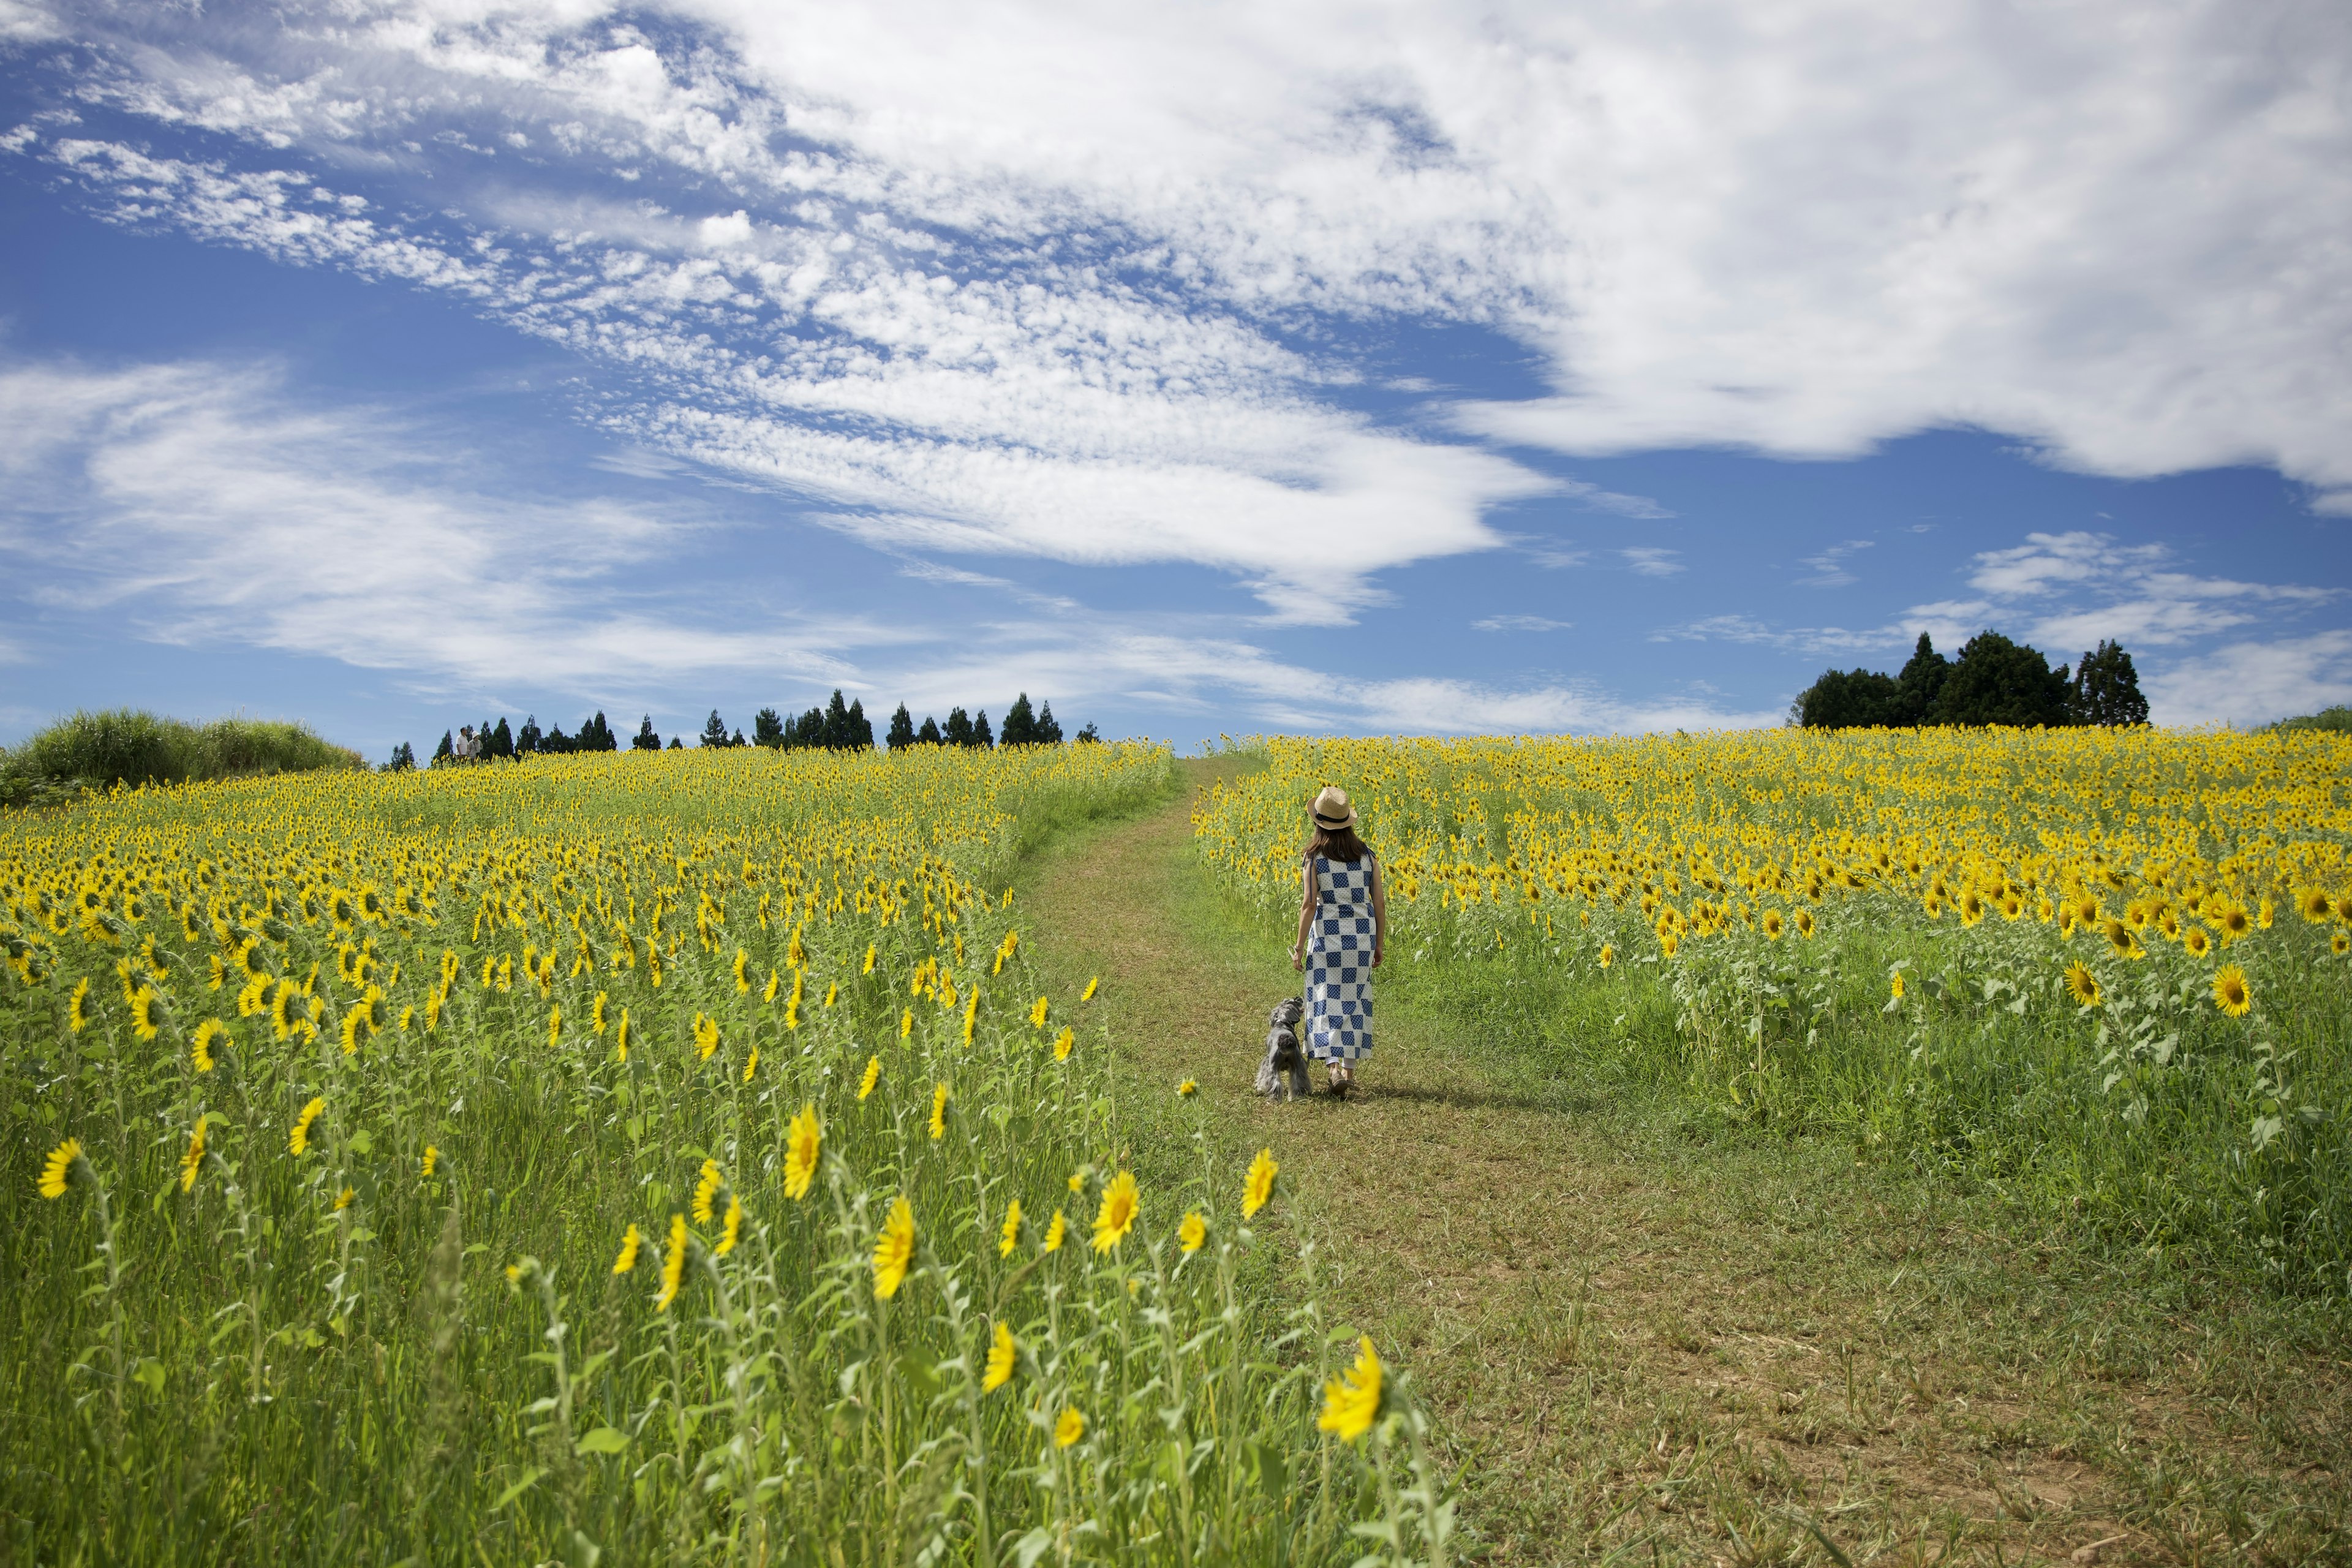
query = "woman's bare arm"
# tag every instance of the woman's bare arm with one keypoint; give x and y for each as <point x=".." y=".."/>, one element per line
<point x="1305" y="916"/>
<point x="1379" y="913"/>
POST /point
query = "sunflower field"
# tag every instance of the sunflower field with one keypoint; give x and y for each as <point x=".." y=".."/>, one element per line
<point x="2103" y="971"/>
<point x="662" y="1158"/>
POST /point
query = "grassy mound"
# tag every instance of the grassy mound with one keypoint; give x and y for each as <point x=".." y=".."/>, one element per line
<point x="128" y="745"/>
<point x="2336" y="720"/>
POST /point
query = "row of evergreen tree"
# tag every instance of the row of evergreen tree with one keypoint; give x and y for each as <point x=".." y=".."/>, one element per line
<point x="838" y="726"/>
<point x="1994" y="681"/>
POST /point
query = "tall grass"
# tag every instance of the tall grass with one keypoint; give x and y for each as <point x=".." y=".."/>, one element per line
<point x="131" y="746"/>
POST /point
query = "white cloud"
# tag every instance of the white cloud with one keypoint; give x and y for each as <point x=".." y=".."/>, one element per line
<point x="976" y="268"/>
<point x="2132" y="593"/>
<point x="1520" y="624"/>
<point x="1650" y="561"/>
<point x="202" y="504"/>
<point x="1829" y="570"/>
<point x="2251" y="683"/>
<point x="1790" y="639"/>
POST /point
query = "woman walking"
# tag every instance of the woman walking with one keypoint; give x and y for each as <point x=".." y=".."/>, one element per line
<point x="1343" y="918"/>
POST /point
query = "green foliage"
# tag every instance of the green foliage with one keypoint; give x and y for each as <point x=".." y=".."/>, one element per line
<point x="647" y="740"/>
<point x="902" y="729"/>
<point x="2335" y="721"/>
<point x="958" y="729"/>
<point x="2107" y="688"/>
<point x="131" y="746"/>
<point x="714" y="731"/>
<point x="1850" y="699"/>
<point x="1996" y="682"/>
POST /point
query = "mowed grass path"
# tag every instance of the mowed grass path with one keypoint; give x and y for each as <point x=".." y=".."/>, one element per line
<point x="1648" y="1340"/>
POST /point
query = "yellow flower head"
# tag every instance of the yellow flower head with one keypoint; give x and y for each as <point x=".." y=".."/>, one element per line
<point x="1896" y="985"/>
<point x="1001" y="1357"/>
<point x="894" y="1250"/>
<point x="2083" y="985"/>
<point x="1667" y="942"/>
<point x="631" y="1242"/>
<point x="742" y="972"/>
<point x="905" y="1022"/>
<point x="804" y="1142"/>
<point x="706" y="1190"/>
<point x="621" y="1038"/>
<point x="2195" y="943"/>
<point x="873" y="1076"/>
<point x="1068" y="1428"/>
<point x="1055" y="1229"/>
<point x="731" y="1228"/>
<point x="1608" y="955"/>
<point x="1351" y="1401"/>
<point x="147" y="1012"/>
<point x="1805" y="923"/>
<point x="77" y="1006"/>
<point x="57" y="1170"/>
<point x="940" y="1113"/>
<point x="871" y="953"/>
<point x="673" y="1264"/>
<point x="1037" y="1013"/>
<point x="343" y="1199"/>
<point x="596" y="1015"/>
<point x="300" y="1143"/>
<point x="1773" y="924"/>
<point x="2340" y="943"/>
<point x="194" y="1160"/>
<point x="424" y="1167"/>
<point x="1063" y="1043"/>
<point x="1012" y="1237"/>
<point x="1258" y="1185"/>
<point x="705" y="1035"/>
<point x="1188" y="1089"/>
<point x="1115" y="1217"/>
<point x="2230" y="992"/>
<point x="1193" y="1233"/>
<point x="1088" y="993"/>
<point x="2119" y="937"/>
<point x="200" y="1046"/>
<point x="2312" y="904"/>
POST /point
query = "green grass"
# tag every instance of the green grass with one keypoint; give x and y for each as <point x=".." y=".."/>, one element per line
<point x="2337" y="720"/>
<point x="131" y="746"/>
<point x="1654" y="1326"/>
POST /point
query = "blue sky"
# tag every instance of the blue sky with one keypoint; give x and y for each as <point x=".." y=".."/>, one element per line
<point x="392" y="363"/>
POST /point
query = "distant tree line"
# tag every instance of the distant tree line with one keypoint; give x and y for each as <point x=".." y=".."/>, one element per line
<point x="1994" y="681"/>
<point x="838" y="726"/>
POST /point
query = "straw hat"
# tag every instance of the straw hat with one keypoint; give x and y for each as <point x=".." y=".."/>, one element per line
<point x="1331" y="809"/>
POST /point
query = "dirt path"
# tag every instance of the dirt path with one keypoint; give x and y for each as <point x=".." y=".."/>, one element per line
<point x="1639" y="1341"/>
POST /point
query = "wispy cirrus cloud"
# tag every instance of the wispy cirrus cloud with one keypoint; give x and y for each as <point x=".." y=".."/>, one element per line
<point x="1520" y="624"/>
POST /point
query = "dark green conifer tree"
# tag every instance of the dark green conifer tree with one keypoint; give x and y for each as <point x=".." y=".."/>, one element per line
<point x="501" y="741"/>
<point x="929" y="735"/>
<point x="2107" y="688"/>
<point x="1020" y="724"/>
<point x="957" y="731"/>
<point x="714" y="731"/>
<point x="1048" y="732"/>
<point x="767" y="728"/>
<point x="980" y="735"/>
<point x="902" y="730"/>
<point x="447" y="748"/>
<point x="1922" y="681"/>
<point x="646" y="740"/>
<point x="403" y="759"/>
<point x="527" y="738"/>
<point x="1088" y="735"/>
<point x="861" y="728"/>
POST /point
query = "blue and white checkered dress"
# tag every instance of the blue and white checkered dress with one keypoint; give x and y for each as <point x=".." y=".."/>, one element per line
<point x="1339" y="961"/>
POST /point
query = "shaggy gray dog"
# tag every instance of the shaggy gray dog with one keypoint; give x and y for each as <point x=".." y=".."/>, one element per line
<point x="1283" y="1074"/>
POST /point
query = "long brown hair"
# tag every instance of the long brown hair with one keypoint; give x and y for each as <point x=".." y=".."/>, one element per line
<point x="1336" y="844"/>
